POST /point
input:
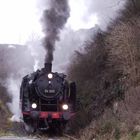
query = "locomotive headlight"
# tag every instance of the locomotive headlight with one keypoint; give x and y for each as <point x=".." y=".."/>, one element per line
<point x="65" y="107"/>
<point x="50" y="75"/>
<point x="34" y="105"/>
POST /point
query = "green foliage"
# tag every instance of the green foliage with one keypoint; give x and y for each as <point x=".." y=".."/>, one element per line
<point x="4" y="111"/>
<point x="107" y="127"/>
<point x="134" y="137"/>
<point x="134" y="133"/>
<point x="137" y="137"/>
<point x="117" y="133"/>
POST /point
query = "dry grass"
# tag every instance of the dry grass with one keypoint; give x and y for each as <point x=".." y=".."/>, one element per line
<point x="119" y="123"/>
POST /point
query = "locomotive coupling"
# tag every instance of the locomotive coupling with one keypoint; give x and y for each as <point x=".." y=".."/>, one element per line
<point x="34" y="115"/>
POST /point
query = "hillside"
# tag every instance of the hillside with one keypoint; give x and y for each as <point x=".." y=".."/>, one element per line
<point x="108" y="80"/>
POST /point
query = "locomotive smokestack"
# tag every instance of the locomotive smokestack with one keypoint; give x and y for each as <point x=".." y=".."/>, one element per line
<point x="48" y="67"/>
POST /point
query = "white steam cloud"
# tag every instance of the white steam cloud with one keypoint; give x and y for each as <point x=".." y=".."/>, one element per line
<point x="13" y="85"/>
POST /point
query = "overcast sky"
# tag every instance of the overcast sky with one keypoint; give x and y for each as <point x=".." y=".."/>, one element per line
<point x="20" y="19"/>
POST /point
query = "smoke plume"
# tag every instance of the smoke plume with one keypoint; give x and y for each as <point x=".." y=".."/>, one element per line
<point x="54" y="20"/>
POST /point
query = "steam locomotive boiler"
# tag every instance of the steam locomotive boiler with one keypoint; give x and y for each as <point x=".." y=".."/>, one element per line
<point x="47" y="99"/>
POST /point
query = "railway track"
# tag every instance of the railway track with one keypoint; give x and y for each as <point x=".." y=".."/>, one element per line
<point x="39" y="137"/>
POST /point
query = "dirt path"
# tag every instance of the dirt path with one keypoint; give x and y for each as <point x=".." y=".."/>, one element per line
<point x="30" y="138"/>
<point x="16" y="138"/>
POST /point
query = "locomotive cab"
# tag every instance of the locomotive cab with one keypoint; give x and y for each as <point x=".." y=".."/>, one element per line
<point x="47" y="99"/>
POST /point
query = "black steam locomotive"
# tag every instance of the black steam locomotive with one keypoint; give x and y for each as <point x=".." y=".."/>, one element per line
<point x="47" y="99"/>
